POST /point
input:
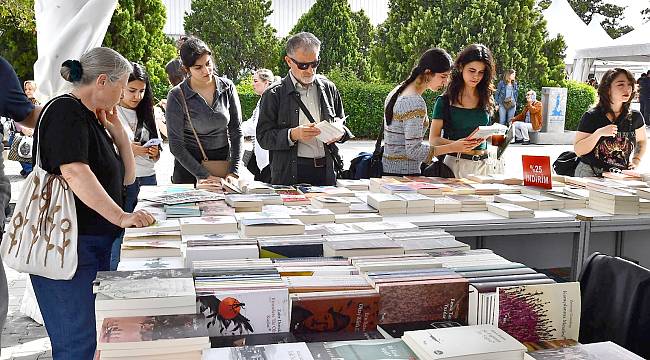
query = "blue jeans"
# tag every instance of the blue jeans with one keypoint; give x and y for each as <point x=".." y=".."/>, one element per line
<point x="130" y="202"/>
<point x="506" y="115"/>
<point x="68" y="306"/>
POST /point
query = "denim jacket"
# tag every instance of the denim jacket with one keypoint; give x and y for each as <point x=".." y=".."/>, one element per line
<point x="501" y="92"/>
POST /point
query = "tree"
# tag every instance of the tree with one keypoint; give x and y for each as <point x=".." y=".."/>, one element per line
<point x="136" y="31"/>
<point x="646" y="14"/>
<point x="613" y="15"/>
<point x="338" y="29"/>
<point x="514" y="30"/>
<point x="18" y="33"/>
<point x="237" y="33"/>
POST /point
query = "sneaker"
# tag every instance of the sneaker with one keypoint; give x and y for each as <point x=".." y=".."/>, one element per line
<point x="525" y="143"/>
<point x="518" y="141"/>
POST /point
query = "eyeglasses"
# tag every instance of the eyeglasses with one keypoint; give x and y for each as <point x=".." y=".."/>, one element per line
<point x="305" y="66"/>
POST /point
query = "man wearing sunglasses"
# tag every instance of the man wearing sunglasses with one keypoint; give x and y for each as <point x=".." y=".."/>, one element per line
<point x="287" y="128"/>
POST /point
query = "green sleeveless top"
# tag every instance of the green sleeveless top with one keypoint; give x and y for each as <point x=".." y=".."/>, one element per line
<point x="463" y="121"/>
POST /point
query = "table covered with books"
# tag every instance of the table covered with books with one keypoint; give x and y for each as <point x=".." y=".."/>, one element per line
<point x="369" y="269"/>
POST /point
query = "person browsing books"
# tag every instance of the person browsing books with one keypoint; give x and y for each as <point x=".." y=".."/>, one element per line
<point x="136" y="113"/>
<point x="406" y="120"/>
<point x="203" y="120"/>
<point x="506" y="96"/>
<point x="86" y="122"/>
<point x="611" y="132"/>
<point x="529" y="119"/>
<point x="286" y="130"/>
<point x="258" y="165"/>
<point x="466" y="104"/>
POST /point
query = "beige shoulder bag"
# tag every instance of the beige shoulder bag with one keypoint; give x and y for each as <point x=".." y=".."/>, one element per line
<point x="218" y="168"/>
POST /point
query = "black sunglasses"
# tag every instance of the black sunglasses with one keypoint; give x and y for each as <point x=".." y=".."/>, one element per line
<point x="305" y="66"/>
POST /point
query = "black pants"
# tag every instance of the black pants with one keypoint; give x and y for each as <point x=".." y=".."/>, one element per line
<point x="182" y="176"/>
<point x="310" y="174"/>
<point x="645" y="110"/>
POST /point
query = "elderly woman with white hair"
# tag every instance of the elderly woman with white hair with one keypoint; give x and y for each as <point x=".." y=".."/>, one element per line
<point x="81" y="138"/>
<point x="529" y="119"/>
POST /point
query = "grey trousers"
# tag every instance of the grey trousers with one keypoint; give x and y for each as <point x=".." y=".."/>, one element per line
<point x="5" y="196"/>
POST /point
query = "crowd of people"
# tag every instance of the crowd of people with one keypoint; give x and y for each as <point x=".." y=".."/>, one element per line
<point x="111" y="129"/>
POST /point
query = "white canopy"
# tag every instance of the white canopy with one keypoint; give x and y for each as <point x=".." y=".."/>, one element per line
<point x="631" y="48"/>
<point x="561" y="19"/>
<point x="65" y="29"/>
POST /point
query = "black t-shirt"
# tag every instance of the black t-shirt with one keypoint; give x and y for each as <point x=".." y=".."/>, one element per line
<point x="70" y="132"/>
<point x="14" y="104"/>
<point x="611" y="152"/>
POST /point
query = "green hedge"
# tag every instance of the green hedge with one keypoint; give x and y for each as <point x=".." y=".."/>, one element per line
<point x="364" y="103"/>
<point x="579" y="99"/>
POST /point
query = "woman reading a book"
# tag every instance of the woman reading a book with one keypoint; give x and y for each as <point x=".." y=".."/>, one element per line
<point x="136" y="114"/>
<point x="81" y="138"/>
<point x="466" y="104"/>
<point x="406" y="120"/>
<point x="611" y="132"/>
<point x="203" y="121"/>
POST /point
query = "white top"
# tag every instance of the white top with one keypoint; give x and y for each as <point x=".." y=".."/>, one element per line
<point x="144" y="166"/>
<point x="248" y="128"/>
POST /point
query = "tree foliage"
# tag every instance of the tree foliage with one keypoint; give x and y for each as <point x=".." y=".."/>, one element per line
<point x="613" y="14"/>
<point x="646" y="13"/>
<point x="514" y="30"/>
<point x="237" y="33"/>
<point x="346" y="36"/>
<point x="136" y="31"/>
<point x="18" y="33"/>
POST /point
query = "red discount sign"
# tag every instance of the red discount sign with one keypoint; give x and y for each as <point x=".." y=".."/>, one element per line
<point x="537" y="171"/>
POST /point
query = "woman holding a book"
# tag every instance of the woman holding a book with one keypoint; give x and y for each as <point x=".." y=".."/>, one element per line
<point x="610" y="133"/>
<point x="203" y="120"/>
<point x="466" y="104"/>
<point x="136" y="114"/>
<point x="80" y="138"/>
<point x="406" y="120"/>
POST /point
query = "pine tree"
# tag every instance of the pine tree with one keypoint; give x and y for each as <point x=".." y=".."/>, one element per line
<point x="613" y="14"/>
<point x="136" y="32"/>
<point x="18" y="34"/>
<point x="237" y="33"/>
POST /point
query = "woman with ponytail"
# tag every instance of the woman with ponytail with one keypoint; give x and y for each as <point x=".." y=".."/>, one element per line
<point x="406" y="120"/>
<point x="136" y="114"/>
<point x="466" y="104"/>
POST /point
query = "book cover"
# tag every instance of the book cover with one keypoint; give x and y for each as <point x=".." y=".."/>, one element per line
<point x="388" y="349"/>
<point x="150" y="263"/>
<point x="287" y="351"/>
<point x="539" y="312"/>
<point x="143" y="329"/>
<point x="332" y="313"/>
<point x="216" y="208"/>
<point x="246" y="312"/>
<point x="424" y="301"/>
<point x="291" y="250"/>
<point x="596" y="351"/>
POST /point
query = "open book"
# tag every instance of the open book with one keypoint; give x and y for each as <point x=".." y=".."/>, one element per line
<point x="330" y="131"/>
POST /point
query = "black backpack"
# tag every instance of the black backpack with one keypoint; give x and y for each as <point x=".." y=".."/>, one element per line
<point x="566" y="163"/>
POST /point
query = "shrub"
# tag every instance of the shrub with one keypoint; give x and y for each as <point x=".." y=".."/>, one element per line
<point x="580" y="97"/>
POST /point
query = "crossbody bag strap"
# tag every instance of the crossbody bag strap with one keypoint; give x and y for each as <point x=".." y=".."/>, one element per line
<point x="303" y="107"/>
<point x="189" y="119"/>
<point x="38" y="129"/>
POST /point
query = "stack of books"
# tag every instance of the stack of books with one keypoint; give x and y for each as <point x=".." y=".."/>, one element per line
<point x="304" y="284"/>
<point x="208" y="225"/>
<point x="417" y="203"/>
<point x="218" y="247"/>
<point x="162" y="239"/>
<point x="354" y="185"/>
<point x="242" y="297"/>
<point x="601" y="350"/>
<point x="614" y="201"/>
<point x="245" y="203"/>
<point x="447" y="205"/>
<point x="338" y="205"/>
<point x="470" y="202"/>
<point x="378" y="245"/>
<point x="516" y="199"/>
<point x="216" y="208"/>
<point x="182" y="210"/>
<point x="131" y="264"/>
<point x="429" y="241"/>
<point x="510" y="211"/>
<point x="153" y="337"/>
<point x="143" y="293"/>
<point x="543" y="202"/>
<point x="464" y="342"/>
<point x="305" y="213"/>
<point x="314" y="191"/>
<point x="290" y="246"/>
<point x="357" y="217"/>
<point x="387" y="203"/>
<point x="384" y="263"/>
<point x="267" y="227"/>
